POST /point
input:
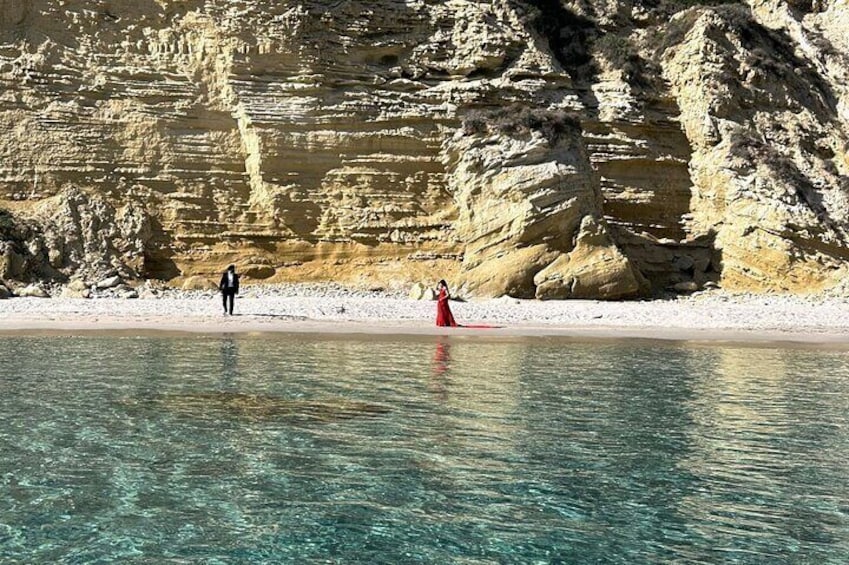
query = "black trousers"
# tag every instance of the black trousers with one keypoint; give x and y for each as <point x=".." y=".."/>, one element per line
<point x="230" y="295"/>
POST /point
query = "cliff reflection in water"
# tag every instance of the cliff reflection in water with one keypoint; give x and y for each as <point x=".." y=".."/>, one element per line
<point x="273" y="447"/>
<point x="769" y="428"/>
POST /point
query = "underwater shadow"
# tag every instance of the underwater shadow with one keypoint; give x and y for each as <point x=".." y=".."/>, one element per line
<point x="223" y="405"/>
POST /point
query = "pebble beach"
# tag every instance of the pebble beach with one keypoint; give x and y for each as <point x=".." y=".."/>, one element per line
<point x="329" y="308"/>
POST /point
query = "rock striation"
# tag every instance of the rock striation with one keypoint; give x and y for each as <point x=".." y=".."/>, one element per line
<point x="530" y="210"/>
<point x="536" y="148"/>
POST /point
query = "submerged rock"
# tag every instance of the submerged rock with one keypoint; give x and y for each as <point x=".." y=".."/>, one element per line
<point x="262" y="407"/>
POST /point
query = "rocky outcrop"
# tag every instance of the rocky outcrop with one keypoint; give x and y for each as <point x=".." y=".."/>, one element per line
<point x="315" y="140"/>
<point x="524" y="184"/>
<point x="594" y="268"/>
<point x="74" y="233"/>
<point x="767" y="137"/>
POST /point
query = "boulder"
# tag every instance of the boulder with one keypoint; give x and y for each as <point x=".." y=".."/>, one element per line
<point x="11" y="262"/>
<point x="530" y="211"/>
<point x="77" y="285"/>
<point x="5" y="292"/>
<point x="686" y="286"/>
<point x="421" y="291"/>
<point x="594" y="269"/>
<point x="69" y="292"/>
<point x="416" y="292"/>
<point x="199" y="283"/>
<point x="512" y="274"/>
<point x="109" y="282"/>
<point x="257" y="271"/>
<point x="33" y="291"/>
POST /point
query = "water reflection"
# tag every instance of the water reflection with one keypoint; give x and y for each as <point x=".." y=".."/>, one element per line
<point x="756" y="473"/>
<point x="229" y="352"/>
<point x="441" y="358"/>
<point x="441" y="364"/>
<point x="289" y="449"/>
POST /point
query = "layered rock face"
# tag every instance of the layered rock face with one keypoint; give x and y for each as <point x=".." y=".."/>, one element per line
<point x="528" y="147"/>
<point x="530" y="210"/>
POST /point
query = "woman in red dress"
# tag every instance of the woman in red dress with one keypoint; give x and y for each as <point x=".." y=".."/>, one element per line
<point x="443" y="312"/>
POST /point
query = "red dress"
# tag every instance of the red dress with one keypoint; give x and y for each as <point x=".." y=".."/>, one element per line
<point x="443" y="312"/>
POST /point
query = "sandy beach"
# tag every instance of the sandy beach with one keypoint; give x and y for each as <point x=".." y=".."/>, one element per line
<point x="302" y="308"/>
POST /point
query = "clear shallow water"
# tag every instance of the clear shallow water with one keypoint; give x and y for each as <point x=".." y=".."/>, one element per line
<point x="282" y="449"/>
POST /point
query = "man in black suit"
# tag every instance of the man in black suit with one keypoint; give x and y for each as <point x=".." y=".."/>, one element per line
<point x="229" y="287"/>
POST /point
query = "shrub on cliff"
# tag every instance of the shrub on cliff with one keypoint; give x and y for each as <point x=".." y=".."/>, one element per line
<point x="619" y="53"/>
<point x="521" y="121"/>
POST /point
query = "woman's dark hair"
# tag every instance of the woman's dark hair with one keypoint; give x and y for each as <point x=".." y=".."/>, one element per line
<point x="231" y="268"/>
<point x="442" y="283"/>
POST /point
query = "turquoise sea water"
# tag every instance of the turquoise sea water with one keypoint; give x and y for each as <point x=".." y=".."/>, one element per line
<point x="293" y="449"/>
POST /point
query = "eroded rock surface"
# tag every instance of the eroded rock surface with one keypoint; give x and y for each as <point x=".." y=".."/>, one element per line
<point x="316" y="140"/>
<point x="522" y="197"/>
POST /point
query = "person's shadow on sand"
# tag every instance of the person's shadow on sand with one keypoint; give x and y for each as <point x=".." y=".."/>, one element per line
<point x="290" y="317"/>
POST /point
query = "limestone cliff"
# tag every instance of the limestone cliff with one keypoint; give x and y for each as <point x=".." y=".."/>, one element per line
<point x="533" y="147"/>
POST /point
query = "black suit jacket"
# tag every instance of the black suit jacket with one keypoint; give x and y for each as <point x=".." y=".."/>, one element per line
<point x="223" y="284"/>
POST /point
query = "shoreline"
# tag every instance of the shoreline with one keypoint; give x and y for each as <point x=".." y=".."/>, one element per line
<point x="710" y="317"/>
<point x="359" y="331"/>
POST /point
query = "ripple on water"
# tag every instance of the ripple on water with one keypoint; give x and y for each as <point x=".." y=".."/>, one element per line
<point x="293" y="449"/>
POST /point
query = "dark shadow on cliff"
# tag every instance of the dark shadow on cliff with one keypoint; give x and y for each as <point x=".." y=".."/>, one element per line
<point x="568" y="34"/>
<point x="696" y="260"/>
<point x="159" y="254"/>
<point x="812" y="197"/>
<point x="23" y="254"/>
<point x="772" y="52"/>
<point x="569" y="37"/>
<point x="782" y="78"/>
<point x="578" y="43"/>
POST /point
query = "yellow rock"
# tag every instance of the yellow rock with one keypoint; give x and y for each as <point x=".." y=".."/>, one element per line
<point x="310" y="144"/>
<point x="595" y="268"/>
<point x="199" y="283"/>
